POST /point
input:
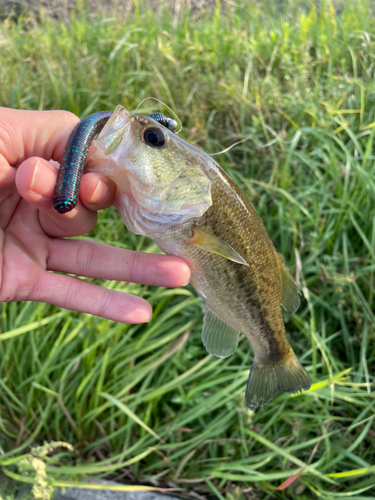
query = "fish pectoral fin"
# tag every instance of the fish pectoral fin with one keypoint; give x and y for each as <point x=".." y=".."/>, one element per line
<point x="218" y="338"/>
<point x="266" y="380"/>
<point x="206" y="241"/>
<point x="290" y="294"/>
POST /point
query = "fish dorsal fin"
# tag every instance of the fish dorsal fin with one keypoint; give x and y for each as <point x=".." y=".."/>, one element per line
<point x="218" y="338"/>
<point x="290" y="294"/>
<point x="206" y="241"/>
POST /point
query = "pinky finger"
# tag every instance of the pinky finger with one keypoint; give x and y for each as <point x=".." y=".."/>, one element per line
<point x="77" y="295"/>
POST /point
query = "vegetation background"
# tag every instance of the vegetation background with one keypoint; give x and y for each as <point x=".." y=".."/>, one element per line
<point x="145" y="404"/>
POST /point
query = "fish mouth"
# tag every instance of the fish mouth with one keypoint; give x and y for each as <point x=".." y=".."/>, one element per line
<point x="113" y="144"/>
<point x="120" y="118"/>
<point x="115" y="131"/>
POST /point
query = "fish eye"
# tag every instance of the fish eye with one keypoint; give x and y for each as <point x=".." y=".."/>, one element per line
<point x="154" y="137"/>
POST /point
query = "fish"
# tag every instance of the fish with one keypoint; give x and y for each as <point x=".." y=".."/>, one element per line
<point x="177" y="195"/>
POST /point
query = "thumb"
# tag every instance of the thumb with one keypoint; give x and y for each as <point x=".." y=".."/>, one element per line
<point x="34" y="133"/>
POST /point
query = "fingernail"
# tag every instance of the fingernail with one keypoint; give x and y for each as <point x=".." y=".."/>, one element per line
<point x="43" y="179"/>
<point x="100" y="193"/>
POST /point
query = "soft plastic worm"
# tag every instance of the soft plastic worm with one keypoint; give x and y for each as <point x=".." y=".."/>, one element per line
<point x="73" y="162"/>
<point x="69" y="177"/>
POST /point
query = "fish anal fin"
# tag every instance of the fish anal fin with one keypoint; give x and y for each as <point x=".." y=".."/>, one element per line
<point x="266" y="380"/>
<point x="206" y="241"/>
<point x="290" y="294"/>
<point x="218" y="338"/>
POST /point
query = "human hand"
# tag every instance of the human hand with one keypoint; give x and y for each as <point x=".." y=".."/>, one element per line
<point x="31" y="230"/>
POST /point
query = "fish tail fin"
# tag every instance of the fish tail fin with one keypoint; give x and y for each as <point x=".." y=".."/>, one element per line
<point x="266" y="380"/>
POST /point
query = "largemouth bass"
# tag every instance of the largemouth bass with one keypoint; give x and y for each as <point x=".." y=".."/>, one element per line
<point x="177" y="195"/>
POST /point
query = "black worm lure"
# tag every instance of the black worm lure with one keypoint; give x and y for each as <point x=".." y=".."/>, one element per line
<point x="71" y="169"/>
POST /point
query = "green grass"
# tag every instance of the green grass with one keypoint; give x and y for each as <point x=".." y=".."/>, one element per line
<point x="145" y="404"/>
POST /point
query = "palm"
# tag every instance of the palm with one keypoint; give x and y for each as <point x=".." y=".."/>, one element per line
<point x="24" y="249"/>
